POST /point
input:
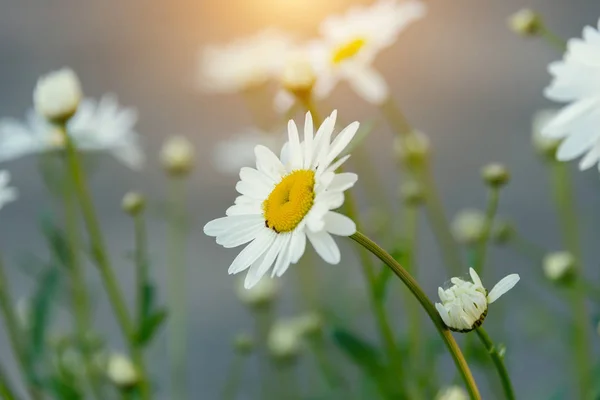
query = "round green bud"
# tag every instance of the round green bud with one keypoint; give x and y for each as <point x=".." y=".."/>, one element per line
<point x="133" y="203"/>
<point x="495" y="175"/>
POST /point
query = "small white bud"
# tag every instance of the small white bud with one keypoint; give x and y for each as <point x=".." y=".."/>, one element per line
<point x="121" y="371"/>
<point x="177" y="155"/>
<point x="133" y="203"/>
<point x="559" y="266"/>
<point x="284" y="341"/>
<point x="495" y="175"/>
<point x="413" y="149"/>
<point x="468" y="226"/>
<point x="260" y="295"/>
<point x="544" y="146"/>
<point x="452" y="393"/>
<point x="411" y="193"/>
<point x="57" y="95"/>
<point x="243" y="343"/>
<point x="298" y="76"/>
<point x="525" y="22"/>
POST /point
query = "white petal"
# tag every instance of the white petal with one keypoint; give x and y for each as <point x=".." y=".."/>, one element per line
<point x="325" y="246"/>
<point x="475" y="277"/>
<point x="284" y="257"/>
<point x="268" y="163"/>
<point x="240" y="236"/>
<point x="577" y="143"/>
<point x="244" y="209"/>
<point x="253" y="176"/>
<point x="342" y="182"/>
<point x="502" y="287"/>
<point x="591" y="158"/>
<point x="369" y="84"/>
<point x="253" y="251"/>
<point x="297" y="245"/>
<point x="443" y="313"/>
<point x="308" y="140"/>
<point x="257" y="192"/>
<point x="224" y="224"/>
<point x="339" y="144"/>
<point x="258" y="270"/>
<point x="339" y="224"/>
<point x="561" y="124"/>
<point x="295" y="148"/>
<point x="338" y="163"/>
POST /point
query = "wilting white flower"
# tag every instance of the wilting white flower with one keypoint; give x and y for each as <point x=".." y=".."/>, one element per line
<point x="177" y="155"/>
<point x="260" y="295"/>
<point x="121" y="371"/>
<point x="57" y="95"/>
<point x="96" y="126"/>
<point x="464" y="305"/>
<point x="576" y="80"/>
<point x="230" y="155"/>
<point x="452" y="393"/>
<point x="559" y="266"/>
<point x="243" y="64"/>
<point x="7" y="193"/>
<point x="349" y="44"/>
<point x="286" y="200"/>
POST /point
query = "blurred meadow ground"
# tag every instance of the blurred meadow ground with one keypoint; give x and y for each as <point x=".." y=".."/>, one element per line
<point x="460" y="75"/>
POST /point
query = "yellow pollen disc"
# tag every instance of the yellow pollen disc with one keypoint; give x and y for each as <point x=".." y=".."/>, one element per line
<point x="347" y="50"/>
<point x="290" y="201"/>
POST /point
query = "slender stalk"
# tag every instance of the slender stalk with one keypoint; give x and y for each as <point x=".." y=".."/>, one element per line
<point x="14" y="332"/>
<point x="498" y="362"/>
<point x="79" y="295"/>
<point x="6" y="391"/>
<point x="414" y="287"/>
<point x="287" y="382"/>
<point x="563" y="193"/>
<point x="177" y="288"/>
<point x="490" y="214"/>
<point x="141" y="266"/>
<point x="100" y="257"/>
<point x="333" y="378"/>
<point x="263" y="319"/>
<point x="233" y="382"/>
<point x="553" y="39"/>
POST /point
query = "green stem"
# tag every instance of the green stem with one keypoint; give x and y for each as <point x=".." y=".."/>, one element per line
<point x="99" y="255"/>
<point x="328" y="370"/>
<point x="79" y="295"/>
<point x="233" y="382"/>
<point x="490" y="214"/>
<point x="414" y="287"/>
<point x="15" y="334"/>
<point x="553" y="39"/>
<point x="263" y="319"/>
<point x="177" y="288"/>
<point x="141" y="266"/>
<point x="563" y="193"/>
<point x="498" y="362"/>
<point x="6" y="391"/>
<point x="287" y="383"/>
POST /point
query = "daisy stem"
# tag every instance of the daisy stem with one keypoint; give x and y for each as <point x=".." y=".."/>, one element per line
<point x="99" y="255"/>
<point x="263" y="319"/>
<point x="568" y="219"/>
<point x="177" y="288"/>
<point x="15" y="334"/>
<point x="234" y="378"/>
<point x="6" y="391"/>
<point x="553" y="39"/>
<point x="141" y="267"/>
<point x="79" y="295"/>
<point x="422" y="172"/>
<point x="490" y="214"/>
<point x="414" y="287"/>
<point x="498" y="362"/>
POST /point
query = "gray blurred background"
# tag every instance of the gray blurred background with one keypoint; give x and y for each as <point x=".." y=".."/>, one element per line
<point x="460" y="75"/>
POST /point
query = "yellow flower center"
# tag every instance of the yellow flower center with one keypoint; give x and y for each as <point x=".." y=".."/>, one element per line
<point x="290" y="201"/>
<point x="347" y="50"/>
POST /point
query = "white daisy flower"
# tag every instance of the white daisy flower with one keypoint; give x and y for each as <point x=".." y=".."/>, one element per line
<point x="57" y="95"/>
<point x="243" y="64"/>
<point x="577" y="82"/>
<point x="232" y="154"/>
<point x="465" y="304"/>
<point x="96" y="126"/>
<point x="350" y="43"/>
<point x="7" y="193"/>
<point x="286" y="200"/>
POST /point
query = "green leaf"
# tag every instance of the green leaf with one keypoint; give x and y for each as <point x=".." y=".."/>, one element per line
<point x="362" y="353"/>
<point x="41" y="313"/>
<point x="151" y="326"/>
<point x="56" y="241"/>
<point x="64" y="389"/>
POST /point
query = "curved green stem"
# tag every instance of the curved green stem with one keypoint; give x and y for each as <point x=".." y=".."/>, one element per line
<point x="414" y="287"/>
<point x="490" y="214"/>
<point x="553" y="39"/>
<point x="498" y="362"/>
<point x="100" y="257"/>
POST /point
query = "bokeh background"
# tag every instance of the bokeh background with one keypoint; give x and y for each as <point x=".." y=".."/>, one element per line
<point x="460" y="75"/>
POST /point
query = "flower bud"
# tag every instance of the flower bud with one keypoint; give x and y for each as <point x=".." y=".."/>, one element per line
<point x="260" y="295"/>
<point x="559" y="267"/>
<point x="468" y="226"/>
<point x="503" y="232"/>
<point x="495" y="175"/>
<point x="544" y="146"/>
<point x="133" y="203"/>
<point x="309" y="324"/>
<point x="298" y="76"/>
<point x="412" y="193"/>
<point x="57" y="95"/>
<point x="412" y="149"/>
<point x="452" y="393"/>
<point x="284" y="341"/>
<point x="121" y="371"/>
<point x="243" y="344"/>
<point x="525" y="22"/>
<point x="177" y="156"/>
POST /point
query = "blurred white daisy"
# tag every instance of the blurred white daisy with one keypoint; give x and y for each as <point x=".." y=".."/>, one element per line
<point x="286" y="200"/>
<point x="350" y="43"/>
<point x="238" y="151"/>
<point x="576" y="80"/>
<point x="452" y="393"/>
<point x="7" y="193"/>
<point x="242" y="64"/>
<point x="464" y="305"/>
<point x="96" y="126"/>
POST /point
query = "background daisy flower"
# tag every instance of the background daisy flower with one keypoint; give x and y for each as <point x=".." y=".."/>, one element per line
<point x="288" y="199"/>
<point x="576" y="80"/>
